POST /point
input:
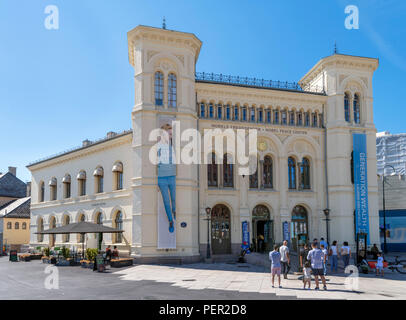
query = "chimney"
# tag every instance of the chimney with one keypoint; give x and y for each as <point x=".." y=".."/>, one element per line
<point x="13" y="171"/>
<point x="28" y="189"/>
<point x="86" y="143"/>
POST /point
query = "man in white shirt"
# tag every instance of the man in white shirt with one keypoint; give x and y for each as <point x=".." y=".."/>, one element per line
<point x="285" y="259"/>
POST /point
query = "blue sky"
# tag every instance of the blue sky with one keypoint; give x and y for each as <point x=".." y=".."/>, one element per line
<point x="59" y="87"/>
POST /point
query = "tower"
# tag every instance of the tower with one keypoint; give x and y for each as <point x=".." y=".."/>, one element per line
<point x="347" y="81"/>
<point x="164" y="65"/>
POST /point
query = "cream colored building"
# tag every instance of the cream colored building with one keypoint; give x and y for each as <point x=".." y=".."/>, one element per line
<point x="301" y="128"/>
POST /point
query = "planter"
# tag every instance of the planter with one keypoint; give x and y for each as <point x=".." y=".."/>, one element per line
<point x="63" y="263"/>
<point x="36" y="256"/>
<point x="120" y="263"/>
<point x="25" y="257"/>
<point x="46" y="260"/>
<point x="86" y="264"/>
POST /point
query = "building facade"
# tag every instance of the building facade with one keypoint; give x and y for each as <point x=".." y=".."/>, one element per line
<point x="303" y="158"/>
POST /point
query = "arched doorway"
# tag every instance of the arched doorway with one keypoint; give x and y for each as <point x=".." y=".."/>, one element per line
<point x="299" y="231"/>
<point x="262" y="229"/>
<point x="221" y="229"/>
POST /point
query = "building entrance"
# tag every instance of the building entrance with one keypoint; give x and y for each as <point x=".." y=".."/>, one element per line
<point x="262" y="229"/>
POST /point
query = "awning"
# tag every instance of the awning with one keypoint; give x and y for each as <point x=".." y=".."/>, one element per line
<point x="81" y="175"/>
<point x="52" y="182"/>
<point x="98" y="171"/>
<point x="66" y="179"/>
<point x="118" y="167"/>
<point x="81" y="227"/>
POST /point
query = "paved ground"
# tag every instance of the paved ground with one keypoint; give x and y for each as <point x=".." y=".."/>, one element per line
<point x="25" y="280"/>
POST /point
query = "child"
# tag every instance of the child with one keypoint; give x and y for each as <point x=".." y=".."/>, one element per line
<point x="307" y="278"/>
<point x="379" y="264"/>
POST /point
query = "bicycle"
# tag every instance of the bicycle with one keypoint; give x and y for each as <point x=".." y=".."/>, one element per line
<point x="398" y="265"/>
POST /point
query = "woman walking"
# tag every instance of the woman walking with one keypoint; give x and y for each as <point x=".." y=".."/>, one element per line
<point x="346" y="254"/>
<point x="333" y="252"/>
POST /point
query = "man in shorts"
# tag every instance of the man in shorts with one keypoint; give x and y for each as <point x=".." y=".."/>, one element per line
<point x="316" y="257"/>
<point x="275" y="258"/>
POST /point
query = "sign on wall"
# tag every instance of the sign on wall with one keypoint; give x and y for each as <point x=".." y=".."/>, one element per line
<point x="360" y="184"/>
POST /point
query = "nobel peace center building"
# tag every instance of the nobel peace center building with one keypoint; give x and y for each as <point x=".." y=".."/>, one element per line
<point x="315" y="158"/>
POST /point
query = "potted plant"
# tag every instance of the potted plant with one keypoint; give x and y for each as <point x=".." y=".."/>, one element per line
<point x="91" y="255"/>
<point x="65" y="254"/>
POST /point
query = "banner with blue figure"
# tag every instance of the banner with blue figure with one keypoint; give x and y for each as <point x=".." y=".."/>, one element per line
<point x="245" y="237"/>
<point x="360" y="183"/>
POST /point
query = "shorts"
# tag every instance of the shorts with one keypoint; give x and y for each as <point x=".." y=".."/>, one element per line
<point x="380" y="268"/>
<point x="307" y="278"/>
<point x="318" y="272"/>
<point x="276" y="271"/>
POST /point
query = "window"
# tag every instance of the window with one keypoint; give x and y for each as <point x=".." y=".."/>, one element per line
<point x="228" y="176"/>
<point x="16" y="226"/>
<point x="292" y="118"/>
<point x="219" y="111"/>
<point x="244" y="114"/>
<point x="53" y="189"/>
<point x="118" y="224"/>
<point x="40" y="237"/>
<point x="211" y="111"/>
<point x="300" y="119"/>
<point x="254" y="176"/>
<point x="276" y="117"/>
<point x="307" y="119"/>
<point x="228" y="112"/>
<point x="357" y="117"/>
<point x="252" y="116"/>
<point x="268" y="116"/>
<point x="99" y="177"/>
<point x="212" y="172"/>
<point x="81" y="177"/>
<point x="202" y="110"/>
<point x="66" y="221"/>
<point x="172" y="95"/>
<point x="284" y="117"/>
<point x="24" y="226"/>
<point x="99" y="218"/>
<point x="314" y="119"/>
<point x="347" y="107"/>
<point x="260" y="115"/>
<point x="41" y="196"/>
<point x="118" y="176"/>
<point x="305" y="174"/>
<point x="66" y="185"/>
<point x="236" y="114"/>
<point x="267" y="173"/>
<point x="9" y="225"/>
<point x="159" y="88"/>
<point x="292" y="173"/>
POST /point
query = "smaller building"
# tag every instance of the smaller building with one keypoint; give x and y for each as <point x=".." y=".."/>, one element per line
<point x="16" y="223"/>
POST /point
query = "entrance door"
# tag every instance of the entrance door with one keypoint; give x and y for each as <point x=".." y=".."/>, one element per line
<point x="220" y="230"/>
<point x="262" y="229"/>
<point x="299" y="230"/>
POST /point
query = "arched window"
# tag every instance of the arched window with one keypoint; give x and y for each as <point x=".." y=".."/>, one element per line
<point x="66" y="185"/>
<point x="99" y="179"/>
<point x="40" y="237"/>
<point x="118" y="176"/>
<point x="252" y="115"/>
<point x="81" y="177"/>
<point x="66" y="221"/>
<point x="314" y="119"/>
<point x="305" y="174"/>
<point x="53" y="188"/>
<point x="17" y="225"/>
<point x="357" y="108"/>
<point x="254" y="176"/>
<point x="202" y="110"/>
<point x="24" y="226"/>
<point x="219" y="111"/>
<point x="267" y="173"/>
<point x="292" y="118"/>
<point x="159" y="88"/>
<point x="172" y="90"/>
<point x="300" y="118"/>
<point x="244" y="114"/>
<point x="292" y="173"/>
<point x="212" y="180"/>
<point x="307" y="119"/>
<point x="228" y="112"/>
<point x="284" y="117"/>
<point x="228" y="173"/>
<point x="347" y="107"/>
<point x="41" y="196"/>
<point x="236" y="113"/>
<point x="268" y="116"/>
<point x="276" y="117"/>
<point x="9" y="225"/>
<point x="211" y="110"/>
<point x="118" y="224"/>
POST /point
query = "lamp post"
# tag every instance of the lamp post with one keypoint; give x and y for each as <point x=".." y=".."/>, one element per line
<point x="208" y="212"/>
<point x="327" y="213"/>
<point x="385" y="248"/>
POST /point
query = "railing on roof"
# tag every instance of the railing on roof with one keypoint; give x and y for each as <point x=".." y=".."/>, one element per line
<point x="254" y="82"/>
<point x="80" y="147"/>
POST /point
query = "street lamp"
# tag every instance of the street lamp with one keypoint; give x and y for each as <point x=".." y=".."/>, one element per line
<point x="385" y="248"/>
<point x="327" y="213"/>
<point x="208" y="213"/>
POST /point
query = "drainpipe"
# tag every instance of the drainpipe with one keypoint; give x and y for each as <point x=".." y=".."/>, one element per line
<point x="325" y="163"/>
<point x="198" y="184"/>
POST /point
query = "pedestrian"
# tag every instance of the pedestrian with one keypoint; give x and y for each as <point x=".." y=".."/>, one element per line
<point x="303" y="255"/>
<point x="307" y="274"/>
<point x="285" y="259"/>
<point x="316" y="256"/>
<point x="322" y="242"/>
<point x="333" y="253"/>
<point x="345" y="254"/>
<point x="275" y="258"/>
<point x="325" y="259"/>
<point x="379" y="264"/>
<point x="317" y="242"/>
<point x="374" y="251"/>
<point x="115" y="252"/>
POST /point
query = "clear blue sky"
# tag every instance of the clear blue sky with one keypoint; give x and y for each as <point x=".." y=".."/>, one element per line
<point x="58" y="88"/>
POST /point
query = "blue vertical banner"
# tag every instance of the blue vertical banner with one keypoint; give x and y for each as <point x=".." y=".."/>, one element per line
<point x="286" y="231"/>
<point x="361" y="183"/>
<point x="245" y="236"/>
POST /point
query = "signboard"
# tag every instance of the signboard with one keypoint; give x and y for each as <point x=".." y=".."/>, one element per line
<point x="286" y="231"/>
<point x="360" y="184"/>
<point x="245" y="236"/>
<point x="100" y="263"/>
<point x="13" y="256"/>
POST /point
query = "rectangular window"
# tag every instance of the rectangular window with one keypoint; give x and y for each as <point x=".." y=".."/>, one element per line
<point x="219" y="112"/>
<point x="119" y="180"/>
<point x="314" y="119"/>
<point x="211" y="110"/>
<point x="202" y="110"/>
<point x="307" y="119"/>
<point x="292" y="118"/>
<point x="82" y="187"/>
<point x="284" y="116"/>
<point x="244" y="114"/>
<point x="299" y="119"/>
<point x="228" y="112"/>
<point x="268" y="116"/>
<point x="252" y="115"/>
<point x="236" y="115"/>
<point x="276" y="117"/>
<point x="260" y="116"/>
